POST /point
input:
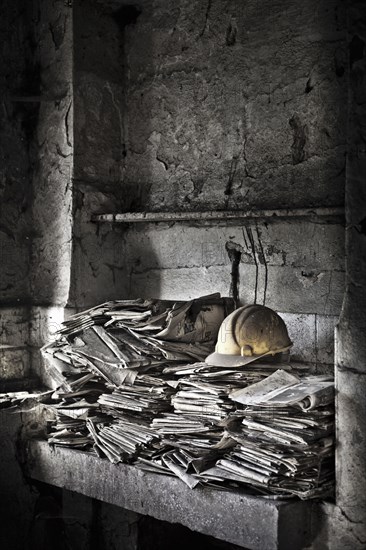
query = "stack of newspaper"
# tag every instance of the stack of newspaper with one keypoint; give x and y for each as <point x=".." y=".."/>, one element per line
<point x="108" y="350"/>
<point x="72" y="409"/>
<point x="147" y="395"/>
<point x="203" y="390"/>
<point x="122" y="440"/>
<point x="192" y="443"/>
<point x="283" y="437"/>
<point x="132" y="385"/>
<point x="130" y="409"/>
<point x="201" y="406"/>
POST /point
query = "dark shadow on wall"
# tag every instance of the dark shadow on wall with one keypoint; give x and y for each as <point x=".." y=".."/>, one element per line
<point x="101" y="268"/>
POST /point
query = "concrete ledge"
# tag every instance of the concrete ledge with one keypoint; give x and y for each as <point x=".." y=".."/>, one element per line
<point x="252" y="522"/>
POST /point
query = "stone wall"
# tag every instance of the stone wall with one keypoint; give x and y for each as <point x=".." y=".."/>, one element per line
<point x="351" y="341"/>
<point x="36" y="148"/>
<point x="231" y="104"/>
<point x="195" y="106"/>
<point x="52" y="150"/>
<point x="16" y="119"/>
<point x="98" y="271"/>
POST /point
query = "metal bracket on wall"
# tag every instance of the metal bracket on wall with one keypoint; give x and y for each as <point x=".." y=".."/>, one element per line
<point x="328" y="214"/>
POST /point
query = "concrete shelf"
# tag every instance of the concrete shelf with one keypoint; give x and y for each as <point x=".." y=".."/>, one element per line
<point x="331" y="214"/>
<point x="252" y="522"/>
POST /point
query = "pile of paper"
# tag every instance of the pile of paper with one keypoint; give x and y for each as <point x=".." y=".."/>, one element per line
<point x="201" y="407"/>
<point x="132" y="385"/>
<point x="284" y="437"/>
<point x="146" y="396"/>
<point x="121" y="440"/>
<point x="140" y="334"/>
<point x="73" y="408"/>
<point x="101" y="358"/>
<point x="203" y="390"/>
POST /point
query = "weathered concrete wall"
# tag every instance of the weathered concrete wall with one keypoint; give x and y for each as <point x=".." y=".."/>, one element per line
<point x="15" y="177"/>
<point x="213" y="106"/>
<point x="351" y="332"/>
<point x="52" y="149"/>
<point x="235" y="104"/>
<point x="98" y="270"/>
<point x="17" y="83"/>
<point x="14" y="332"/>
<point x="16" y="117"/>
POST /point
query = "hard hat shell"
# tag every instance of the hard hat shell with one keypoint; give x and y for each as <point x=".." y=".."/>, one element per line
<point x="247" y="334"/>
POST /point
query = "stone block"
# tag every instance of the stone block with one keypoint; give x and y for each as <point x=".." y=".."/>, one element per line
<point x="44" y="323"/>
<point x="14" y="363"/>
<point x="325" y="325"/>
<point x="302" y="332"/>
<point x="14" y="326"/>
<point x="180" y="284"/>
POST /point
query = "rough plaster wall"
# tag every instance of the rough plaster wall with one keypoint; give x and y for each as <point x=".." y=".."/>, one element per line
<point x="52" y="154"/>
<point x="16" y="119"/>
<point x="213" y="106"/>
<point x="230" y="109"/>
<point x="351" y="341"/>
<point x="98" y="270"/>
<point x="52" y="157"/>
<point x="231" y="104"/>
<point x="15" y="188"/>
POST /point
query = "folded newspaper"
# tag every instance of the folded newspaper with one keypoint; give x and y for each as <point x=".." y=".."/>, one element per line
<point x="283" y="389"/>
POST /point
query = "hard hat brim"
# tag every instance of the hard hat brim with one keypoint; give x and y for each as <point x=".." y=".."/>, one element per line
<point x="225" y="360"/>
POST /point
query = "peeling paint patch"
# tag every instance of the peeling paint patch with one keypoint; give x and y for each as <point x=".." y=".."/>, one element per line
<point x="300" y="137"/>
